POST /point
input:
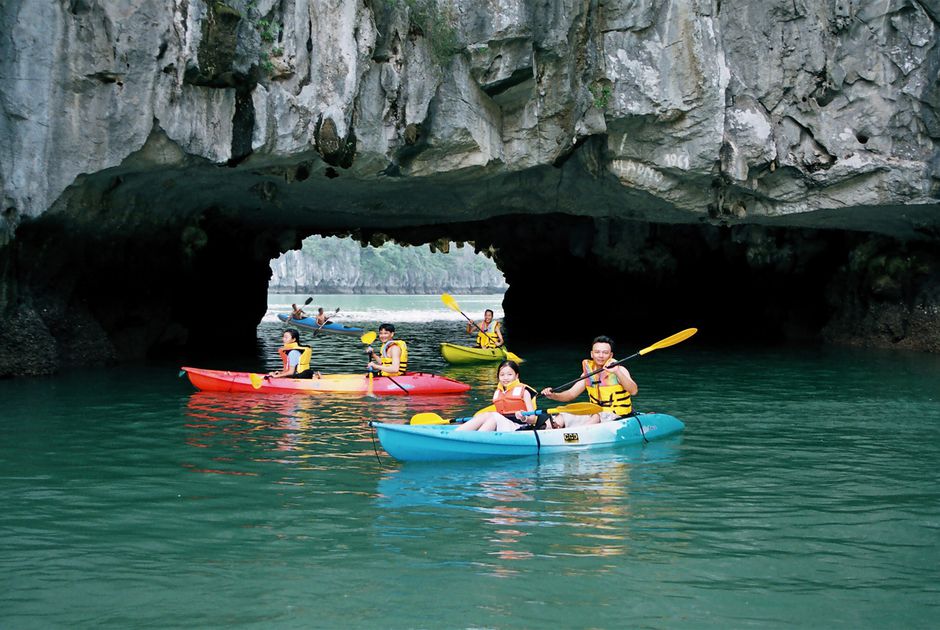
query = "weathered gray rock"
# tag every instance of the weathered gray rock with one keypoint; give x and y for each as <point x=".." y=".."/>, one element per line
<point x="268" y="120"/>
<point x="839" y="94"/>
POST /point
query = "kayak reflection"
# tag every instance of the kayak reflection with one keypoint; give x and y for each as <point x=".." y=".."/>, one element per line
<point x="451" y="484"/>
<point x="587" y="504"/>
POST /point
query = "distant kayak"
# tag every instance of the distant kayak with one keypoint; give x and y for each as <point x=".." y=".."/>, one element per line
<point x="453" y="353"/>
<point x="310" y="323"/>
<point x="428" y="443"/>
<point x="416" y="383"/>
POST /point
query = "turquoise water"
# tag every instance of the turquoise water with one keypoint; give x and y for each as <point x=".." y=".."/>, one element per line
<point x="804" y="492"/>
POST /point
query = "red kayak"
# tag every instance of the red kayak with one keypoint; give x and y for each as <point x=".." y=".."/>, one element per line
<point x="416" y="383"/>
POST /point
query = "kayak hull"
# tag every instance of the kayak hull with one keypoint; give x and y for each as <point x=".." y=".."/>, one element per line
<point x="310" y="323"/>
<point x="432" y="443"/>
<point x="416" y="383"/>
<point x="459" y="355"/>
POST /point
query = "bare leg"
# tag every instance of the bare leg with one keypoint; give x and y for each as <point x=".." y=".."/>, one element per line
<point x="483" y="422"/>
<point x="473" y="424"/>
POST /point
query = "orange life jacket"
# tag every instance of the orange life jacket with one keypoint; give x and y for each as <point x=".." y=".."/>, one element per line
<point x="509" y="400"/>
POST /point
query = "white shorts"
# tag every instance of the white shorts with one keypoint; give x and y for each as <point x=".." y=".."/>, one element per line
<point x="572" y="420"/>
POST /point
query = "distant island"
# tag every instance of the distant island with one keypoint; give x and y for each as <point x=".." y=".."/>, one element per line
<point x="341" y="265"/>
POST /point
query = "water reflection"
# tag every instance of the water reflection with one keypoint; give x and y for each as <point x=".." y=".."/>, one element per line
<point x="236" y="433"/>
<point x="583" y="504"/>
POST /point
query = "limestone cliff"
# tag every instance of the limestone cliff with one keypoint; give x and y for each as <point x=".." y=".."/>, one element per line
<point x="163" y="145"/>
<point x="332" y="265"/>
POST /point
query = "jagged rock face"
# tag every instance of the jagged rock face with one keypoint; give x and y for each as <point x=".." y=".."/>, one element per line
<point x="139" y="134"/>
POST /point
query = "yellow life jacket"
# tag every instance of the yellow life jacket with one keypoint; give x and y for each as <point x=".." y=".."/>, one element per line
<point x="488" y="338"/>
<point x="402" y="360"/>
<point x="604" y="390"/>
<point x="304" y="364"/>
<point x="510" y="399"/>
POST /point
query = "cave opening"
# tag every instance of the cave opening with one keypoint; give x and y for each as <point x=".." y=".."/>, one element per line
<point x="130" y="265"/>
<point x="342" y="265"/>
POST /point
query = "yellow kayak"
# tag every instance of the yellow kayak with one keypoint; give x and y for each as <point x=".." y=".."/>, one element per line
<point x="453" y="353"/>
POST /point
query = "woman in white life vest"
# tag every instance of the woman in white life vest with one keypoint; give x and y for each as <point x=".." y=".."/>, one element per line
<point x="511" y="398"/>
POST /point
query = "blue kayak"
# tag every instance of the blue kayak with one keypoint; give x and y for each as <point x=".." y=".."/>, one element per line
<point x="430" y="443"/>
<point x="310" y="323"/>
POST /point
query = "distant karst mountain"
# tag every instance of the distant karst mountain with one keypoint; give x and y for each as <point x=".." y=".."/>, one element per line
<point x="336" y="265"/>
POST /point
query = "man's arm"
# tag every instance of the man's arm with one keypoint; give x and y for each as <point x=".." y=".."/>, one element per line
<point x="566" y="396"/>
<point x="623" y="375"/>
<point x="394" y="353"/>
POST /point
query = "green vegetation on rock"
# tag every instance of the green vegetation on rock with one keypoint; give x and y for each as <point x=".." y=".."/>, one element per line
<point x="437" y="24"/>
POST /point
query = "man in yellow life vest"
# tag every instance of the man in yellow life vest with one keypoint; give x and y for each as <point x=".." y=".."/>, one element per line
<point x="611" y="389"/>
<point x="295" y="358"/>
<point x="393" y="355"/>
<point x="488" y="331"/>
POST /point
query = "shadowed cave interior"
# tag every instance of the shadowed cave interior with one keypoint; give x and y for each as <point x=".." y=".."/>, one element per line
<point x="114" y="270"/>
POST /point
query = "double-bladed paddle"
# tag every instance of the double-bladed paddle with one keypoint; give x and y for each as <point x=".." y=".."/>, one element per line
<point x="664" y="343"/>
<point x="451" y="303"/>
<point x="368" y="338"/>
<point x="325" y="322"/>
<point x="290" y="318"/>
<point x="578" y="409"/>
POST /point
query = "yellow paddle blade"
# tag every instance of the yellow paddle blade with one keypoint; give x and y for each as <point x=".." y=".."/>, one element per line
<point x="427" y="418"/>
<point x="486" y="410"/>
<point x="669" y="341"/>
<point x="256" y="380"/>
<point x="512" y="356"/>
<point x="368" y="337"/>
<point x="450" y="302"/>
<point x="578" y="409"/>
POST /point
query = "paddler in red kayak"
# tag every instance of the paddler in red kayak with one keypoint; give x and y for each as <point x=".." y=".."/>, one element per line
<point x="393" y="355"/>
<point x="611" y="389"/>
<point x="295" y="358"/>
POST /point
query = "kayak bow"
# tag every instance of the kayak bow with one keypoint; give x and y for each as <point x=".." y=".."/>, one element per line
<point x="453" y="353"/>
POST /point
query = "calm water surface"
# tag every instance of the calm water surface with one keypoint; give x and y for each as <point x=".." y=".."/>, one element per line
<point x="804" y="492"/>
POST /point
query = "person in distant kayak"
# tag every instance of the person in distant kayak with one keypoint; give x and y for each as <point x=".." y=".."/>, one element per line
<point x="511" y="398"/>
<point x="295" y="358"/>
<point x="488" y="331"/>
<point x="611" y="388"/>
<point x="321" y="318"/>
<point x="297" y="312"/>
<point x="393" y="355"/>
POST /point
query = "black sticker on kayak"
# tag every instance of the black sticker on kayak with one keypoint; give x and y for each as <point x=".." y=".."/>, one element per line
<point x="571" y="437"/>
